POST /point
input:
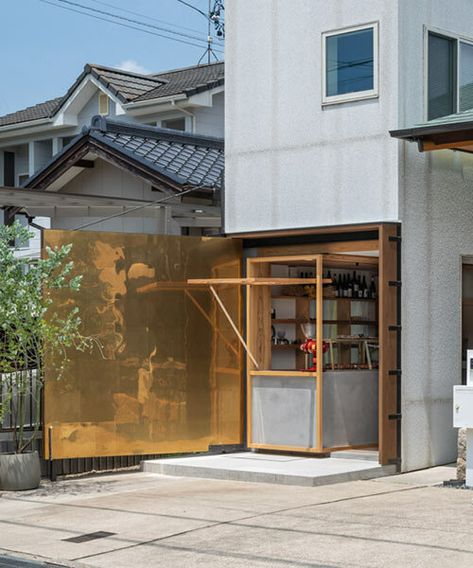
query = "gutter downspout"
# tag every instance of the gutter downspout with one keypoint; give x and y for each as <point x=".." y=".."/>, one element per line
<point x="186" y="112"/>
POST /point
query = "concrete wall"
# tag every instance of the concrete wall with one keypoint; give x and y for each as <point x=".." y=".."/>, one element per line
<point x="436" y="205"/>
<point x="289" y="161"/>
<point x="106" y="179"/>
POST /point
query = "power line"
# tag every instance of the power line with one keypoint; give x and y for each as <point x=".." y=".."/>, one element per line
<point x="145" y="16"/>
<point x="206" y="16"/>
<point x="133" y="21"/>
<point x="121" y="24"/>
<point x="138" y="207"/>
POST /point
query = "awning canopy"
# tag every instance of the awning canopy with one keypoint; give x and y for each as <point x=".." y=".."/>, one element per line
<point x="454" y="132"/>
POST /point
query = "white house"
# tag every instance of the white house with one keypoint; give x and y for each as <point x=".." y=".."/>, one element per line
<point x="309" y="159"/>
<point x="186" y="105"/>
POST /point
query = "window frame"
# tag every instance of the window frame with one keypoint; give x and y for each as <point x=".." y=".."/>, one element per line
<point x="356" y="95"/>
<point x="459" y="38"/>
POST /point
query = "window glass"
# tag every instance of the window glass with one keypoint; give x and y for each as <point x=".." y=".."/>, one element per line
<point x="174" y="123"/>
<point x="349" y="62"/>
<point x="466" y="76"/>
<point x="442" y="81"/>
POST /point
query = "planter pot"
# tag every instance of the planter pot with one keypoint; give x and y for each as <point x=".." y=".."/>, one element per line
<point x="19" y="472"/>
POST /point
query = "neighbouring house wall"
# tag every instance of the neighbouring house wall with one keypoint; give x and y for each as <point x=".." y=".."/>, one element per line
<point x="106" y="179"/>
<point x="210" y="121"/>
<point x="436" y="206"/>
<point x="289" y="161"/>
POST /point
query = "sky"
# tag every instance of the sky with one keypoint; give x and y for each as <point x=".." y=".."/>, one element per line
<point x="45" y="47"/>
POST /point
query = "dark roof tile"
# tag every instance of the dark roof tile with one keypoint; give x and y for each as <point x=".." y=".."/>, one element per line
<point x="42" y="110"/>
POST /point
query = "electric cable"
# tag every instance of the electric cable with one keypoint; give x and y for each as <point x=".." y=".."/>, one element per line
<point x="138" y="207"/>
<point x="122" y="24"/>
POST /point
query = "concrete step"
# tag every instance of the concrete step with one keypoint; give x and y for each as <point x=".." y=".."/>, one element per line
<point x="269" y="468"/>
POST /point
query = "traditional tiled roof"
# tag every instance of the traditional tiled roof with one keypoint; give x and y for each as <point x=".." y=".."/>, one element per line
<point x="183" y="160"/>
<point x="188" y="80"/>
<point x="43" y="110"/>
<point x="130" y="87"/>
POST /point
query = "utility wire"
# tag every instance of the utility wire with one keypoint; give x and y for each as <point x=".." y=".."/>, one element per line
<point x="206" y="16"/>
<point x="145" y="16"/>
<point x="121" y="24"/>
<point x="138" y="207"/>
<point x="131" y="20"/>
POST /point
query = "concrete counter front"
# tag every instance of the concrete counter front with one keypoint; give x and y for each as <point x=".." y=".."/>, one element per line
<point x="284" y="410"/>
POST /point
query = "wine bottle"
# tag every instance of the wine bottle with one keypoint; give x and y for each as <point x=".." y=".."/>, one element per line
<point x="350" y="286"/>
<point x="365" y="288"/>
<point x="372" y="293"/>
<point x="356" y="286"/>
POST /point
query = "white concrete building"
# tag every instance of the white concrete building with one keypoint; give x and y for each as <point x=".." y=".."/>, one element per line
<point x="308" y="147"/>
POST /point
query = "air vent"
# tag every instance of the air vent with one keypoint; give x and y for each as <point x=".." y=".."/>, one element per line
<point x="103" y="104"/>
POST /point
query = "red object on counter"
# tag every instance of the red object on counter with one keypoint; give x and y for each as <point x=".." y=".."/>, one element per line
<point x="310" y="346"/>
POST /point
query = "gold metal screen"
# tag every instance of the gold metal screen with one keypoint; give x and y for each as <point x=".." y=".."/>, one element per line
<point x="169" y="379"/>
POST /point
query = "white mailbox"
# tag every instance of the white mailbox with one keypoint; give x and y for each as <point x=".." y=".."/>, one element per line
<point x="463" y="406"/>
<point x="463" y="414"/>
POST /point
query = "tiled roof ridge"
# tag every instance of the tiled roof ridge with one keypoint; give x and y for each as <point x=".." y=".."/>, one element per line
<point x="188" y="68"/>
<point x="104" y="125"/>
<point x="148" y="76"/>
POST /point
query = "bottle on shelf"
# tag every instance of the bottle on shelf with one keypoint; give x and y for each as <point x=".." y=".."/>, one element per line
<point x="364" y="287"/>
<point x="356" y="286"/>
<point x="372" y="290"/>
<point x="350" y="286"/>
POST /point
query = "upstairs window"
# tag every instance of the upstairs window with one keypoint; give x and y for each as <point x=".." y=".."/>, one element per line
<point x="449" y="75"/>
<point x="350" y="64"/>
<point x="442" y="76"/>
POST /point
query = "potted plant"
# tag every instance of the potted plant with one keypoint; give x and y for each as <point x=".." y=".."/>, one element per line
<point x="33" y="329"/>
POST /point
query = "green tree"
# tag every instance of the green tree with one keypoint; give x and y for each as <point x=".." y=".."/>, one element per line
<point x="33" y="327"/>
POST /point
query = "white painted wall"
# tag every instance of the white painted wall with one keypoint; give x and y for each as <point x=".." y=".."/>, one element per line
<point x="210" y="121"/>
<point x="289" y="161"/>
<point x="436" y="209"/>
<point x="106" y="179"/>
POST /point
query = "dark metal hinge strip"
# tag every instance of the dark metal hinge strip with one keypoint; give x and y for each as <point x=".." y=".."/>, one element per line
<point x="395" y="283"/>
<point x="395" y="238"/>
<point x="397" y="372"/>
<point x="395" y="328"/>
<point x="395" y="416"/>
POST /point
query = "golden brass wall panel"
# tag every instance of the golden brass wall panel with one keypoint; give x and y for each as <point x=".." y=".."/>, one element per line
<point x="169" y="379"/>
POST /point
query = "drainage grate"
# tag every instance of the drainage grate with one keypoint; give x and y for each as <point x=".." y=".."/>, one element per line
<point x="88" y="537"/>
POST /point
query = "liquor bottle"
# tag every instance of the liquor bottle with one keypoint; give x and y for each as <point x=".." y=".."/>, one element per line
<point x="350" y="286"/>
<point x="339" y="287"/>
<point x="360" y="290"/>
<point x="356" y="286"/>
<point x="365" y="288"/>
<point x="372" y="292"/>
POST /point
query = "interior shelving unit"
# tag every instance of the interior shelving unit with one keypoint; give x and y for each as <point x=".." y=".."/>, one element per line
<point x="334" y="407"/>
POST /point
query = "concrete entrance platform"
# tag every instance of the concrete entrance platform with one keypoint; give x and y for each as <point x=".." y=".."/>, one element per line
<point x="274" y="468"/>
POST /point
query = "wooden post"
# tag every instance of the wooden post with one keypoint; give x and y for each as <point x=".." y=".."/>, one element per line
<point x="319" y="326"/>
<point x="387" y="344"/>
